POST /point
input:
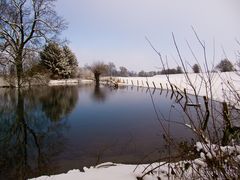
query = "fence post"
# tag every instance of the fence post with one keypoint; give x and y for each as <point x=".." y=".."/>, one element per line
<point x="207" y="113"/>
<point x="154" y="85"/>
<point x="228" y="130"/>
<point x="161" y="86"/>
<point x="147" y="84"/>
<point x="185" y="94"/>
<point x="172" y="88"/>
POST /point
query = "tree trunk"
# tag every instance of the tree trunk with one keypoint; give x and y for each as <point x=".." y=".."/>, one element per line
<point x="19" y="68"/>
<point x="97" y="79"/>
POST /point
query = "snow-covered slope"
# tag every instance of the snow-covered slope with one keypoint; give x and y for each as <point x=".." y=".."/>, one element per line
<point x="220" y="86"/>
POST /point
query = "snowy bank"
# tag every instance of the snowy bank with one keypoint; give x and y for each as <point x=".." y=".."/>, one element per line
<point x="69" y="82"/>
<point x="59" y="82"/>
<point x="111" y="171"/>
<point x="222" y="84"/>
<point x="190" y="169"/>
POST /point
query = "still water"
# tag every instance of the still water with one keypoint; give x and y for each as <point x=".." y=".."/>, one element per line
<point x="50" y="130"/>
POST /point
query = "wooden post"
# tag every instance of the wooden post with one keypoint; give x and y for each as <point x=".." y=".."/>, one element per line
<point x="154" y="85"/>
<point x="147" y="84"/>
<point x="161" y="91"/>
<point x="161" y="86"/>
<point x="204" y="126"/>
<point x="178" y="94"/>
<point x="132" y="82"/>
<point x="137" y="83"/>
<point x="172" y="91"/>
<point x="228" y="130"/>
<point x="185" y="105"/>
<point x="185" y="93"/>
<point x="172" y="88"/>
<point x="172" y="95"/>
<point x="142" y="83"/>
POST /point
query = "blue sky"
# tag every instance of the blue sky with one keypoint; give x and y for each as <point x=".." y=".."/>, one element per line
<point x="115" y="30"/>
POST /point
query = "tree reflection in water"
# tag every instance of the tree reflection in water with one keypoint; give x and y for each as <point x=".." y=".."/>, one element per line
<point x="99" y="94"/>
<point x="31" y="127"/>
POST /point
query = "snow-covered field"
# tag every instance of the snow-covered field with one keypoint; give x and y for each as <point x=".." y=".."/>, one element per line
<point x="220" y="89"/>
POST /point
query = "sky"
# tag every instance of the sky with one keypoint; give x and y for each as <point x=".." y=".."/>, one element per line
<point x="115" y="30"/>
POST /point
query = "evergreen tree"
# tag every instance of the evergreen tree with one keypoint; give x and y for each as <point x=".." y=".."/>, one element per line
<point x="196" y="68"/>
<point x="225" y="66"/>
<point x="60" y="61"/>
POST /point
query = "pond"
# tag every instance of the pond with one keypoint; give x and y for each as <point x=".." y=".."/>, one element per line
<point x="50" y="130"/>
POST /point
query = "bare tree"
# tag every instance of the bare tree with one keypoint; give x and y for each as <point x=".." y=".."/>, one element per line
<point x="123" y="71"/>
<point x="98" y="68"/>
<point x="25" y="25"/>
<point x="111" y="69"/>
<point x="206" y="123"/>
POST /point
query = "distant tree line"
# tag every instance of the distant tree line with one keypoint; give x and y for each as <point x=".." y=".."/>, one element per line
<point x="177" y="70"/>
<point x="110" y="69"/>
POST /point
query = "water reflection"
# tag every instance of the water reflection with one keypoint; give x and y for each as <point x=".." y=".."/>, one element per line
<point x="50" y="130"/>
<point x="32" y="124"/>
<point x="57" y="103"/>
<point x="99" y="94"/>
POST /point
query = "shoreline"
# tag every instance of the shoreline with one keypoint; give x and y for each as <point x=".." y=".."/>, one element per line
<point x="59" y="82"/>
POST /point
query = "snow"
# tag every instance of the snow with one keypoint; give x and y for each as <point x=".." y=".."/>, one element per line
<point x="178" y="170"/>
<point x="69" y="82"/>
<point x="102" y="172"/>
<point x="222" y="84"/>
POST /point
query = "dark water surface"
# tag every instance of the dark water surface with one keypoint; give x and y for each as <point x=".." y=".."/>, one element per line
<point x="49" y="130"/>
